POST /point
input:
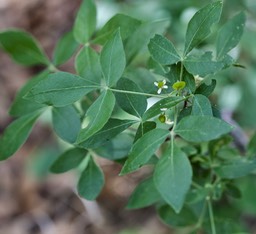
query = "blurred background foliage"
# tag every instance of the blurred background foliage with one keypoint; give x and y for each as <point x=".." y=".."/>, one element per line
<point x="235" y="94"/>
<point x="236" y="86"/>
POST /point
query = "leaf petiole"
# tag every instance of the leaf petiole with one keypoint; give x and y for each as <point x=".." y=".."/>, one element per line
<point x="209" y="203"/>
<point x="138" y="93"/>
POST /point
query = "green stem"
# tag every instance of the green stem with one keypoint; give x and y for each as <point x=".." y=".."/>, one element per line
<point x="137" y="93"/>
<point x="176" y="112"/>
<point x="201" y="218"/>
<point x="196" y="185"/>
<point x="211" y="215"/>
<point x="181" y="70"/>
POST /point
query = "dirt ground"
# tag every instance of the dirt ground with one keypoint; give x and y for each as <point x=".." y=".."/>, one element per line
<point x="50" y="205"/>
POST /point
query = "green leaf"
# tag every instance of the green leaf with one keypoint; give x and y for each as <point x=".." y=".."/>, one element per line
<point x="143" y="149"/>
<point x="228" y="61"/>
<point x="190" y="81"/>
<point x="153" y="160"/>
<point x="91" y="181"/>
<point x="112" y="59"/>
<point x="162" y="50"/>
<point x="226" y="222"/>
<point x="251" y="147"/>
<point x="185" y="218"/>
<point x="174" y="74"/>
<point x="247" y="203"/>
<point x="227" y="153"/>
<point x="112" y="128"/>
<point x="21" y="106"/>
<point x="140" y="38"/>
<point x="64" y="49"/>
<point x="144" y="128"/>
<point x="199" y="27"/>
<point x="230" y="34"/>
<point x="201" y="105"/>
<point x="145" y="194"/>
<point x="201" y="128"/>
<point x="126" y="24"/>
<point x="131" y="103"/>
<point x="60" y="89"/>
<point x="157" y="68"/>
<point x="143" y="78"/>
<point x="233" y="191"/>
<point x="205" y="89"/>
<point x="68" y="160"/>
<point x="173" y="177"/>
<point x="236" y="169"/>
<point x="22" y="47"/>
<point x="184" y="112"/>
<point x="87" y="101"/>
<point x="196" y="195"/>
<point x="163" y="103"/>
<point x="85" y="23"/>
<point x="66" y="123"/>
<point x="97" y="115"/>
<point x="16" y="134"/>
<point x="87" y="65"/>
<point x="117" y="148"/>
<point x="202" y="65"/>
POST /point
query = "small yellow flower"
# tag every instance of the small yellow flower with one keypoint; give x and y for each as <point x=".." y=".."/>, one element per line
<point x="161" y="85"/>
<point x="179" y="85"/>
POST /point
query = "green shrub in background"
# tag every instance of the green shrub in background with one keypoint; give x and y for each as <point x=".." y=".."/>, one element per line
<point x="103" y="111"/>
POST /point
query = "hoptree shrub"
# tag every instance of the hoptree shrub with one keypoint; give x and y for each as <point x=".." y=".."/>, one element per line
<point x="181" y="136"/>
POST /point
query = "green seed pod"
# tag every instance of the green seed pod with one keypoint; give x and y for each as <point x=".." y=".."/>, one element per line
<point x="162" y="118"/>
<point x="179" y="85"/>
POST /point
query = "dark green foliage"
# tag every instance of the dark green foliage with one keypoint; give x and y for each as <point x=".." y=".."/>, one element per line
<point x="68" y="160"/>
<point x="60" y="89"/>
<point x="64" y="49"/>
<point x="16" y="134"/>
<point x="139" y="101"/>
<point x="91" y="180"/>
<point x="22" y="47"/>
<point x="131" y="103"/>
<point x="145" y="194"/>
<point x="66" y="122"/>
